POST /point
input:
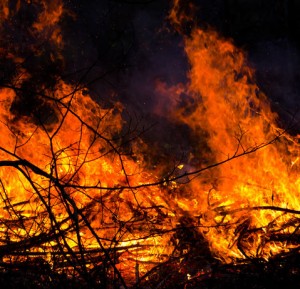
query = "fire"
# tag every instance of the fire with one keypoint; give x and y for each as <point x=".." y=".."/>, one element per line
<point x="68" y="191"/>
<point x="72" y="192"/>
<point x="69" y="174"/>
<point x="253" y="197"/>
<point x="55" y="177"/>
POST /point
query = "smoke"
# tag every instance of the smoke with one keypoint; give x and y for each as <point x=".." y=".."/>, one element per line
<point x="128" y="51"/>
<point x="132" y="47"/>
<point x="30" y="60"/>
<point x="125" y="52"/>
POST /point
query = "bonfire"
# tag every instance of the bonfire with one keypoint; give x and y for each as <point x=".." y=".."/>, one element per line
<point x="81" y="203"/>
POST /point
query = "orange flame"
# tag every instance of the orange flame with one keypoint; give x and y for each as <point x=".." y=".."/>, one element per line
<point x="246" y="201"/>
<point x="49" y="20"/>
<point x="71" y="172"/>
<point x="66" y="184"/>
<point x="67" y="187"/>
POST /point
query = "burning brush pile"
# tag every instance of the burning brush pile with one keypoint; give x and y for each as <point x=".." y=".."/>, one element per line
<point x="81" y="204"/>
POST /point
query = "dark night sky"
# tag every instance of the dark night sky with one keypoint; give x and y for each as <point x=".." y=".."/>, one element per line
<point x="133" y="46"/>
<point x="121" y="48"/>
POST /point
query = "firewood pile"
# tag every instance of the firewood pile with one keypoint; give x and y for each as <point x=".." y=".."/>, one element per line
<point x="190" y="267"/>
<point x="280" y="272"/>
<point x="199" y="269"/>
<point x="86" y="202"/>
